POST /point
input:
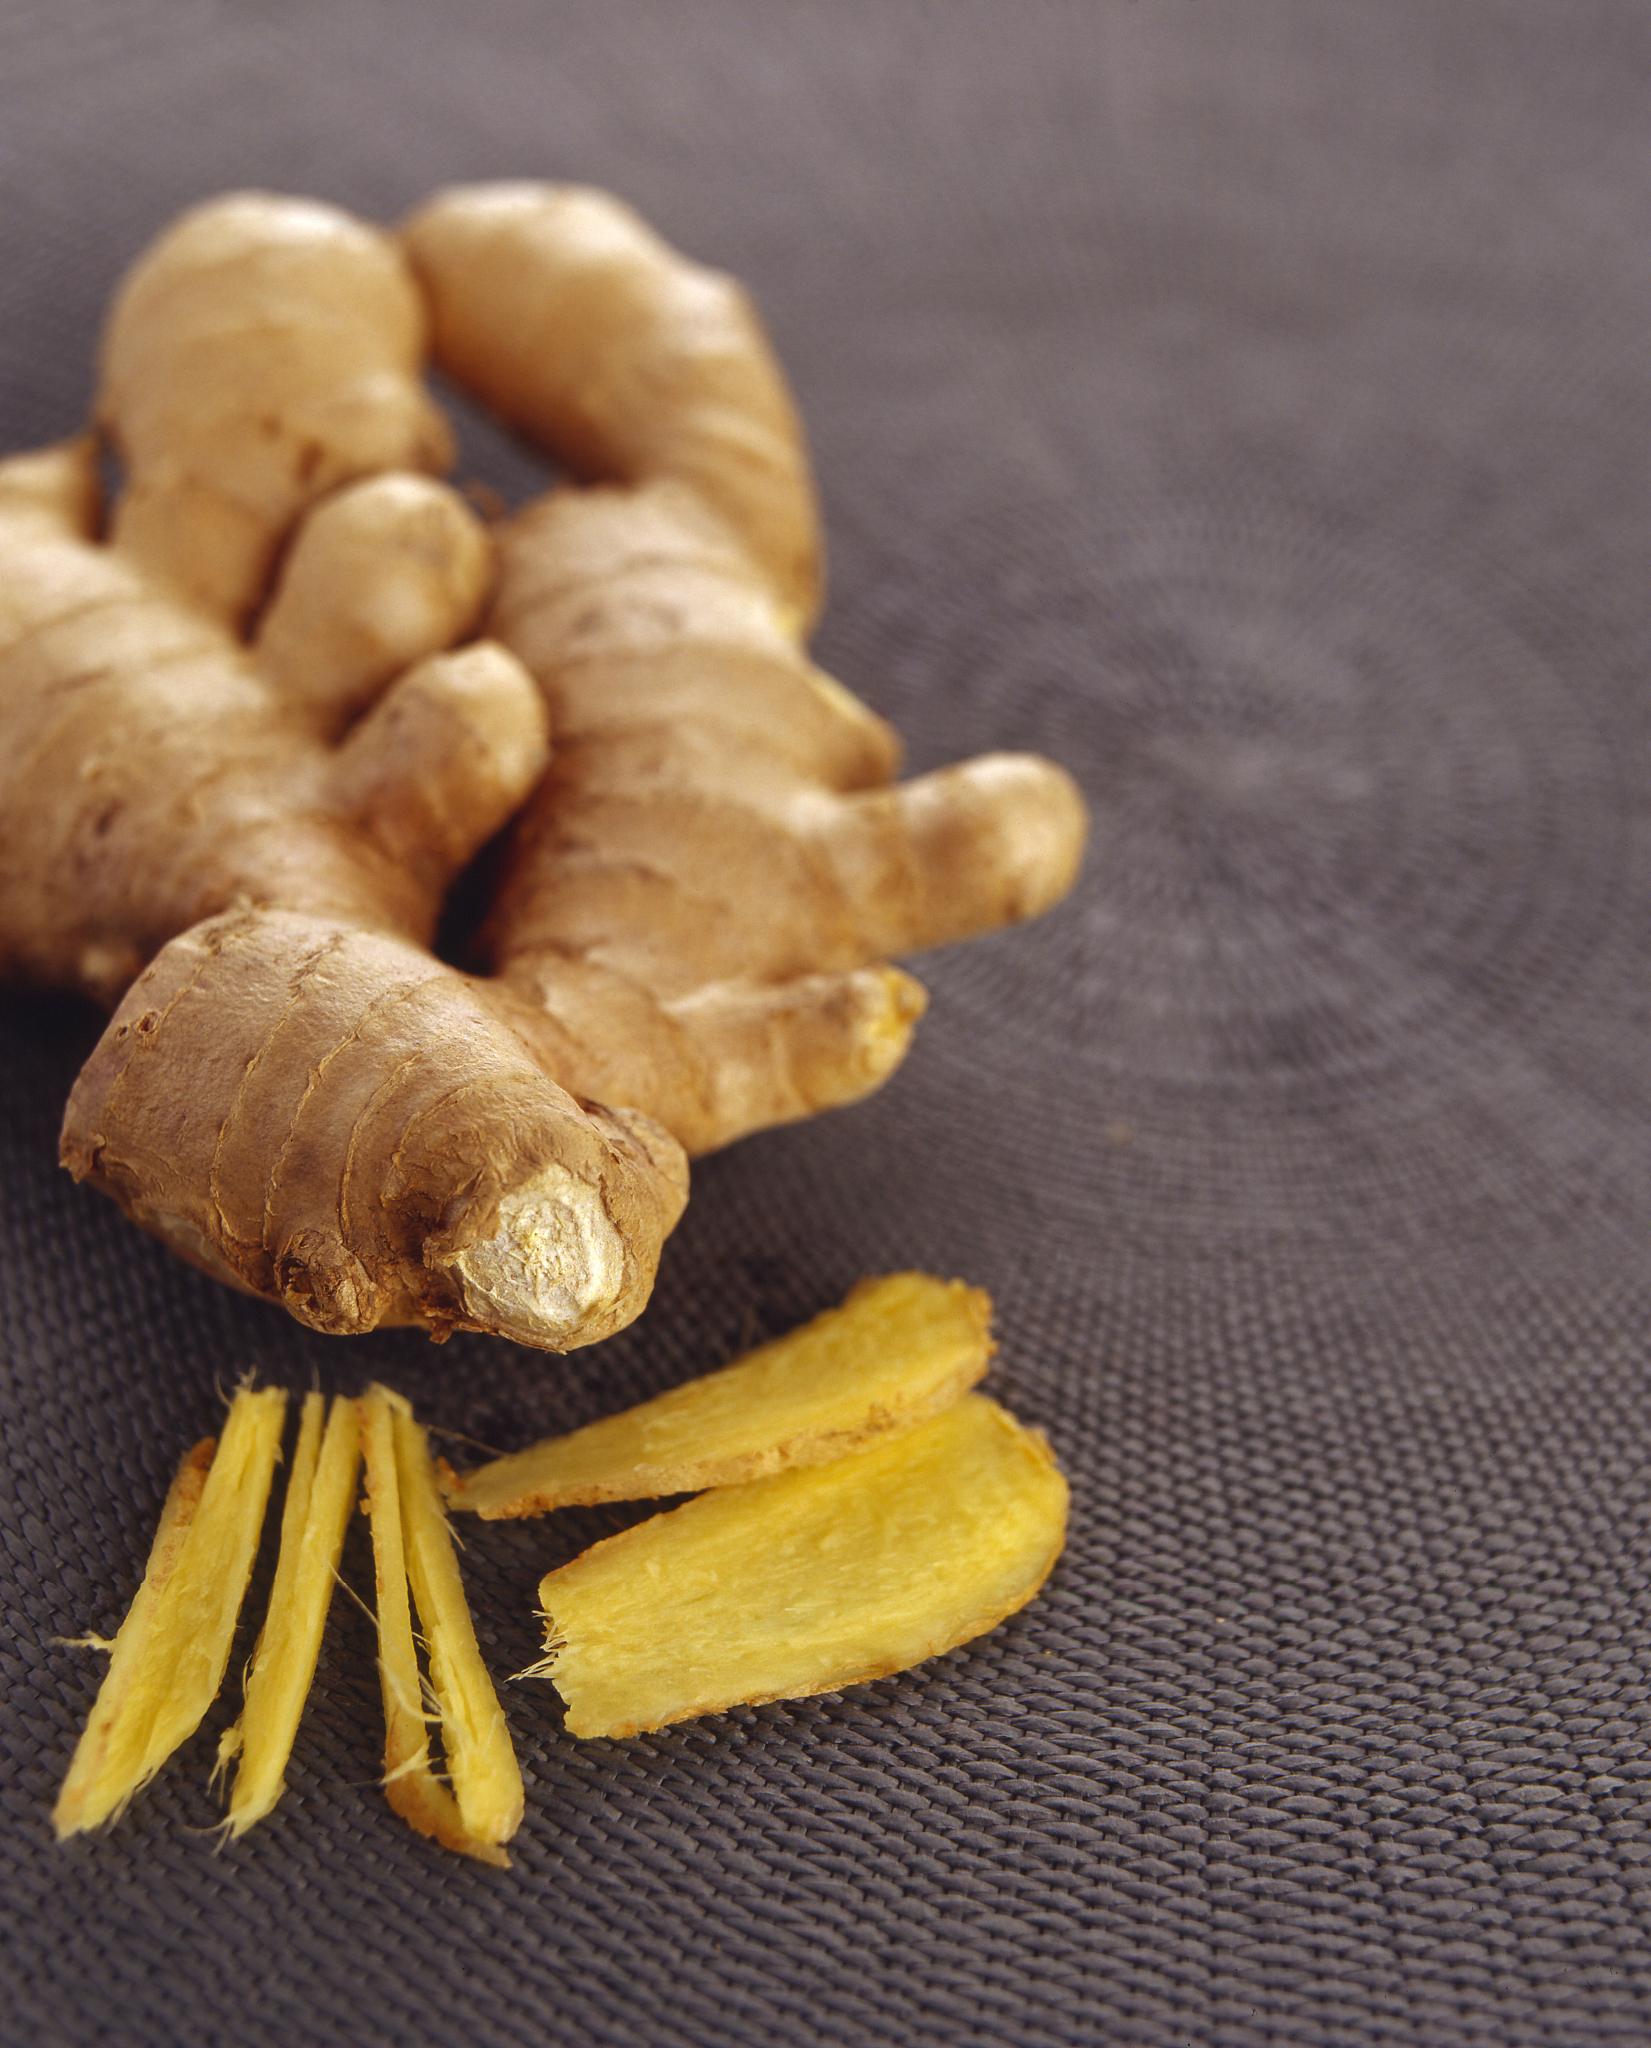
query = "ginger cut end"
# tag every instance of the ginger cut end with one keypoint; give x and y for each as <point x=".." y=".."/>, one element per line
<point x="899" y="1349"/>
<point x="158" y="1689"/>
<point x="810" y="1580"/>
<point x="320" y="1495"/>
<point x="410" y="1785"/>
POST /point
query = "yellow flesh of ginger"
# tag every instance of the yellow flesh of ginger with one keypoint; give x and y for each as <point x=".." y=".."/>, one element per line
<point x="897" y="1350"/>
<point x="487" y="1781"/>
<point x="320" y="1495"/>
<point x="809" y="1580"/>
<point x="170" y="1656"/>
<point x="410" y="1784"/>
<point x="82" y="1787"/>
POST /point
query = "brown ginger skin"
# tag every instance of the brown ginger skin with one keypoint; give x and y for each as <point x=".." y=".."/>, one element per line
<point x="703" y="891"/>
<point x="250" y="744"/>
<point x="263" y="790"/>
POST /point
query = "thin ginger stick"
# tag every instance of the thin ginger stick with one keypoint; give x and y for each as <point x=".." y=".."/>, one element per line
<point x="320" y="1495"/>
<point x="184" y="1648"/>
<point x="487" y="1780"/>
<point x="409" y="1783"/>
<point x="126" y="1653"/>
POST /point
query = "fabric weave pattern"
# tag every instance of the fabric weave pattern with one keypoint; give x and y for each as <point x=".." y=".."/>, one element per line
<point x="1250" y="407"/>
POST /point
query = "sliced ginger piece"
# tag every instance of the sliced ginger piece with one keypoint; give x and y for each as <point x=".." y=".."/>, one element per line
<point x="898" y="1349"/>
<point x="410" y="1783"/>
<point x="481" y="1762"/>
<point x="82" y="1786"/>
<point x="172" y="1651"/>
<point x="320" y="1495"/>
<point x="808" y="1580"/>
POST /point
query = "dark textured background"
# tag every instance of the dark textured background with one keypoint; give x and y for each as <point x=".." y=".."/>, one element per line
<point x="1249" y="405"/>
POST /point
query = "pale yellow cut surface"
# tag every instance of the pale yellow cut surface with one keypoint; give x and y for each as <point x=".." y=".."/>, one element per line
<point x="809" y="1580"/>
<point x="320" y="1497"/>
<point x="82" y="1789"/>
<point x="183" y="1642"/>
<point x="481" y="1762"/>
<point x="898" y="1349"/>
<point x="410" y="1784"/>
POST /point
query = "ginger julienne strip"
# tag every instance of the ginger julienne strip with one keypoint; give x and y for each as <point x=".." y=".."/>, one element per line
<point x="83" y="1787"/>
<point x="410" y="1784"/>
<point x="320" y="1496"/>
<point x="486" y="1779"/>
<point x="183" y="1620"/>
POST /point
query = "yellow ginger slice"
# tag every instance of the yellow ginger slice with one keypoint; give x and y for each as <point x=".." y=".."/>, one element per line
<point x="898" y="1349"/>
<point x="171" y="1653"/>
<point x="809" y="1580"/>
<point x="410" y="1784"/>
<point x="320" y="1495"/>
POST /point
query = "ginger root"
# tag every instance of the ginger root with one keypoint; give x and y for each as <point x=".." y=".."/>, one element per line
<point x="703" y="889"/>
<point x="251" y="736"/>
<point x="244" y="761"/>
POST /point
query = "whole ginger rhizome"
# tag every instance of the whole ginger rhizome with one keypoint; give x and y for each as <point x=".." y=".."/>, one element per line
<point x="259" y="710"/>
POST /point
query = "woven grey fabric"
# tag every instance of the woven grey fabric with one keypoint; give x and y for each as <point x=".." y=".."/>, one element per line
<point x="1250" y="406"/>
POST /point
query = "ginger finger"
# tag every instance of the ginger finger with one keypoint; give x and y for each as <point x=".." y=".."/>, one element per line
<point x="382" y="574"/>
<point x="441" y="761"/>
<point x="57" y="489"/>
<point x="946" y="855"/>
<point x="51" y="503"/>
<point x="367" y="1139"/>
<point x="309" y="311"/>
<point x="775" y="1053"/>
<point x="320" y="1496"/>
<point x="640" y="610"/>
<point x="724" y="1060"/>
<point x="570" y="318"/>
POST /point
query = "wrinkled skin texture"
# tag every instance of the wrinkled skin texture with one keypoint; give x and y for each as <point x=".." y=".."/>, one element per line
<point x="241" y="771"/>
<point x="703" y="890"/>
<point x="252" y="736"/>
